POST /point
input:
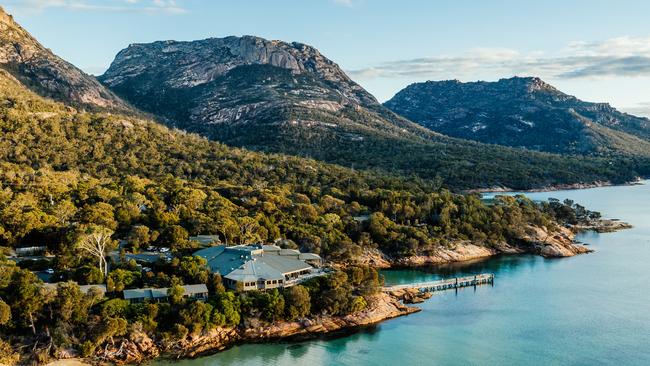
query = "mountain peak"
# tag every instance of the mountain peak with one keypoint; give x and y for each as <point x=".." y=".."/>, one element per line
<point x="531" y="83"/>
<point x="45" y="73"/>
<point x="192" y="63"/>
<point x="5" y="17"/>
<point x="271" y="78"/>
<point x="520" y="112"/>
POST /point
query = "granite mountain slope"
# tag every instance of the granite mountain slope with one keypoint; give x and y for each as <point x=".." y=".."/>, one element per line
<point x="522" y="112"/>
<point x="47" y="74"/>
<point x="287" y="97"/>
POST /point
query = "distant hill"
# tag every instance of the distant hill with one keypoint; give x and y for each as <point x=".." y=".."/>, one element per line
<point x="47" y="74"/>
<point x="287" y="97"/>
<point x="522" y="112"/>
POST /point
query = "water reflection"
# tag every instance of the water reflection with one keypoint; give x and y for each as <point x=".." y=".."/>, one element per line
<point x="501" y="264"/>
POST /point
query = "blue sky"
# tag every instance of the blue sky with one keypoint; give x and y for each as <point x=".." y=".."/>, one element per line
<point x="597" y="50"/>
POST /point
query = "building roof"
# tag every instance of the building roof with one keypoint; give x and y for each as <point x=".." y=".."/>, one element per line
<point x="223" y="261"/>
<point x="284" y="264"/>
<point x="248" y="263"/>
<point x="309" y="256"/>
<point x="195" y="289"/>
<point x="254" y="270"/>
<point x="159" y="293"/>
<point x="145" y="293"/>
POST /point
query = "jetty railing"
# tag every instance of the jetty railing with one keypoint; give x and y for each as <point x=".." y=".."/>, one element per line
<point x="447" y="284"/>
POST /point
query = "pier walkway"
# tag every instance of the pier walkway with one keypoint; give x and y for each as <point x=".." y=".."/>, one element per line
<point x="440" y="285"/>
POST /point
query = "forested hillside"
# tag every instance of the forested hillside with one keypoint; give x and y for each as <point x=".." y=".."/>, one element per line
<point x="283" y="97"/>
<point x="54" y="155"/>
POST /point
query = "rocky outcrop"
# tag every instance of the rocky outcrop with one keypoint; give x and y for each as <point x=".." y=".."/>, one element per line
<point x="411" y="295"/>
<point x="373" y="257"/>
<point x="457" y="252"/>
<point x="138" y="347"/>
<point x="558" y="243"/>
<point x="535" y="240"/>
<point x="208" y="342"/>
<point x="208" y="85"/>
<point x="47" y="74"/>
<point x="381" y="307"/>
<point x="602" y="226"/>
<point x="191" y="64"/>
<point x="522" y="112"/>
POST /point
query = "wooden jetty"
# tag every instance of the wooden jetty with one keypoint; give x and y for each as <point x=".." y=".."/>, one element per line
<point x="441" y="285"/>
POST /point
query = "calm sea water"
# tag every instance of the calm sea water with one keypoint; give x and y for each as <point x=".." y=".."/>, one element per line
<point x="590" y="309"/>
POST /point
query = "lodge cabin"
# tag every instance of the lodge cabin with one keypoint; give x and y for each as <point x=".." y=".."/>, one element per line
<point x="139" y="295"/>
<point x="260" y="267"/>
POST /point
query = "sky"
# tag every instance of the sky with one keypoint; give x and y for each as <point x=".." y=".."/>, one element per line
<point x="597" y="50"/>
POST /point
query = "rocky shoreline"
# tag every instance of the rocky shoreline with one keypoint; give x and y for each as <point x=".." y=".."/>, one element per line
<point x="557" y="187"/>
<point x="140" y="347"/>
<point x="603" y="226"/>
<point x="538" y="241"/>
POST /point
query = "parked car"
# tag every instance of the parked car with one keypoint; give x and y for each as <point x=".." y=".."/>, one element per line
<point x="49" y="271"/>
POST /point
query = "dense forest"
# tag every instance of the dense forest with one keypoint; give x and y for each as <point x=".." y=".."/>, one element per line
<point x="68" y="176"/>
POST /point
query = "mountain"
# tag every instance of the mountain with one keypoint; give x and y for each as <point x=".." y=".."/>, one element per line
<point x="220" y="87"/>
<point x="522" y="112"/>
<point x="287" y="97"/>
<point x="47" y="74"/>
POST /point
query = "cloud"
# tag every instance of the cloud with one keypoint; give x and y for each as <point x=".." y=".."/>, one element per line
<point x="640" y="109"/>
<point x="126" y="6"/>
<point x="622" y="56"/>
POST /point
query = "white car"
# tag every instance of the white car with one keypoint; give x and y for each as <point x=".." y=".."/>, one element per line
<point x="49" y="271"/>
<point x="164" y="250"/>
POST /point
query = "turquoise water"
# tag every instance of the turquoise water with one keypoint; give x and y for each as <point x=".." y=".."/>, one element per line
<point x="586" y="310"/>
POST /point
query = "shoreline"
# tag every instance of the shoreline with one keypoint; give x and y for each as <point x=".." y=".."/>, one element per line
<point x="557" y="187"/>
<point x="141" y="348"/>
<point x="556" y="244"/>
